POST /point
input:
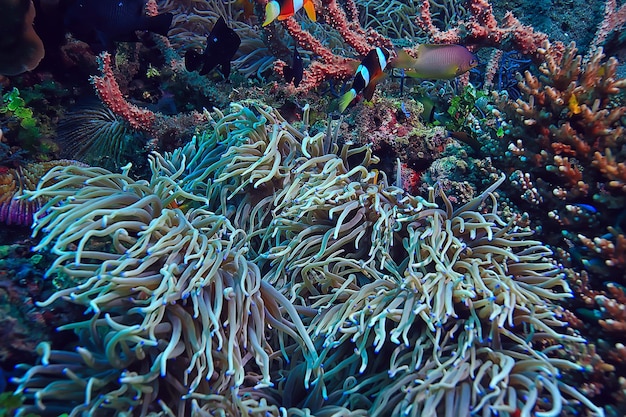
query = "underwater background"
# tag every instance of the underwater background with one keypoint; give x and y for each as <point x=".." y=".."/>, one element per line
<point x="312" y="208"/>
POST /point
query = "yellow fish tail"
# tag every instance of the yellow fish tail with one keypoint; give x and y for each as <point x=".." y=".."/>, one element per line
<point x="272" y="10"/>
<point x="402" y="60"/>
<point x="309" y="8"/>
<point x="346" y="99"/>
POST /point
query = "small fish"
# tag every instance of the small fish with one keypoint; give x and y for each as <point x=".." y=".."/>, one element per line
<point x="436" y="62"/>
<point x="368" y="74"/>
<point x="100" y="23"/>
<point x="284" y="9"/>
<point x="221" y="45"/>
<point x="587" y="207"/>
<point x="296" y="70"/>
<point x="573" y="105"/>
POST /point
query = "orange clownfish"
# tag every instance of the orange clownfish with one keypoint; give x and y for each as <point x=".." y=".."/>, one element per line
<point x="283" y="9"/>
<point x="367" y="76"/>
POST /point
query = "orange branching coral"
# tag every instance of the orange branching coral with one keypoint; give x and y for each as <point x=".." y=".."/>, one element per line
<point x="615" y="308"/>
<point x="569" y="142"/>
<point x="482" y="28"/>
<point x="572" y="109"/>
<point x="571" y="134"/>
<point x="348" y="35"/>
<point x="613" y="170"/>
<point x="611" y="246"/>
<point x="13" y="182"/>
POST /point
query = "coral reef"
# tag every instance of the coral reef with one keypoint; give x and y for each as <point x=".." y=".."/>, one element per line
<point x="568" y="146"/>
<point x="449" y="247"/>
<point x="397" y="136"/>
<point x="24" y="324"/>
<point x="258" y="249"/>
<point x="482" y="28"/>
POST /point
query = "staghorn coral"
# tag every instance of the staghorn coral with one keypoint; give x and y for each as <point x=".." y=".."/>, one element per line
<point x="242" y="277"/>
<point x="568" y="149"/>
<point x="574" y="110"/>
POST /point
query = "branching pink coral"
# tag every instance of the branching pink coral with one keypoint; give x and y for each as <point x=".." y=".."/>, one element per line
<point x="110" y="93"/>
<point x="482" y="29"/>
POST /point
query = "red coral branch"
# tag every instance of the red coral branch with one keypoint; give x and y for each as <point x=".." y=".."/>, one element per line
<point x="328" y="65"/>
<point x="110" y="93"/>
<point x="614" y="18"/>
<point x="482" y="29"/>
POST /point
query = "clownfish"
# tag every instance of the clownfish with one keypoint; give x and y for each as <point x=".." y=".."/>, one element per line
<point x="368" y="74"/>
<point x="283" y="9"/>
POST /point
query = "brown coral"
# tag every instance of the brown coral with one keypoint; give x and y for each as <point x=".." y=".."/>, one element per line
<point x="572" y="109"/>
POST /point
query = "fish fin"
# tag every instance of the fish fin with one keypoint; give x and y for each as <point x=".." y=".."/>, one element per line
<point x="289" y="74"/>
<point x="413" y="74"/>
<point x="206" y="67"/>
<point x="272" y="10"/>
<point x="309" y="8"/>
<point x="429" y="107"/>
<point x="193" y="60"/>
<point x="453" y="72"/>
<point x="346" y="99"/>
<point x="159" y="24"/>
<point x="444" y="75"/>
<point x="219" y="28"/>
<point x="225" y="69"/>
<point x="402" y="60"/>
<point x="368" y="92"/>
